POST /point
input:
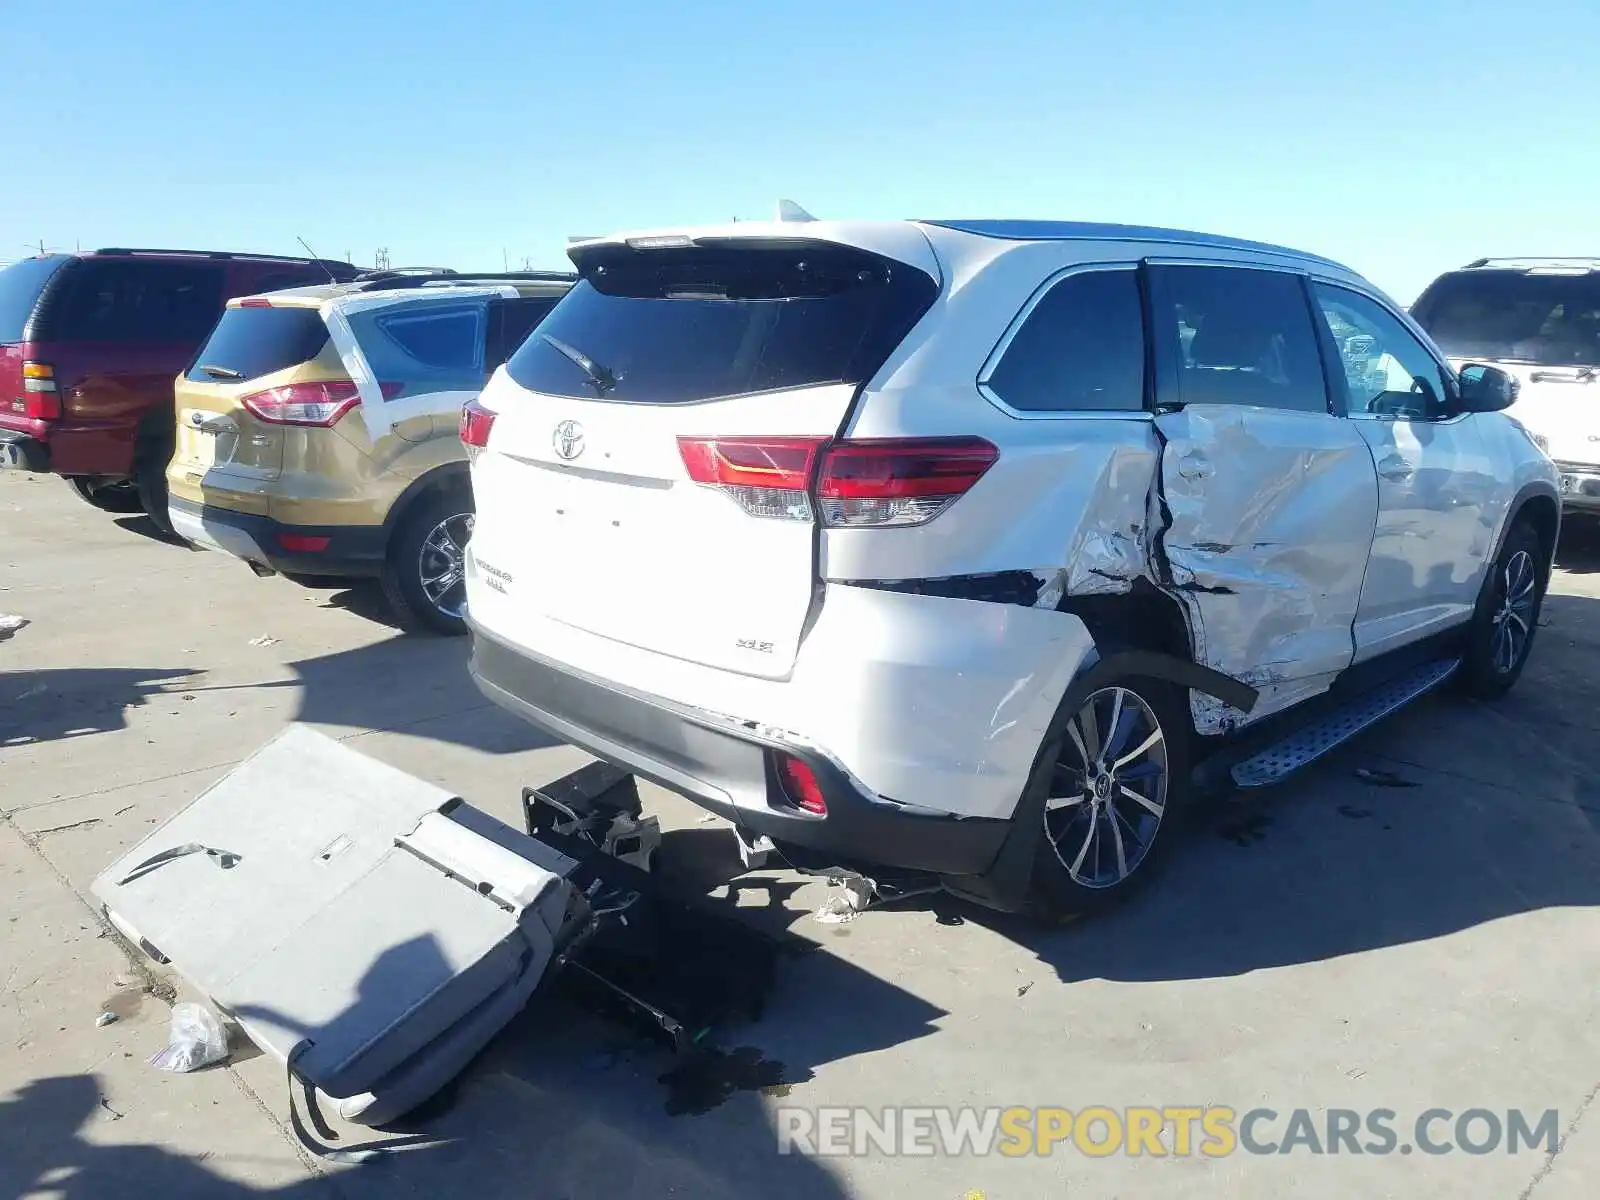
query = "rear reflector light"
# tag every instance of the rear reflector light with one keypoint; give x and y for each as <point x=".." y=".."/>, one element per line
<point x="800" y="786"/>
<point x="317" y="404"/>
<point x="884" y="482"/>
<point x="476" y="422"/>
<point x="300" y="543"/>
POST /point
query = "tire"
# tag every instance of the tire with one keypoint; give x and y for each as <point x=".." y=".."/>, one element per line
<point x="1077" y="868"/>
<point x="121" y="496"/>
<point x="150" y="480"/>
<point x="428" y="538"/>
<point x="1506" y="620"/>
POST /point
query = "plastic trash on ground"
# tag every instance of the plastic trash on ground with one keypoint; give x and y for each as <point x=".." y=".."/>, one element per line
<point x="196" y="1040"/>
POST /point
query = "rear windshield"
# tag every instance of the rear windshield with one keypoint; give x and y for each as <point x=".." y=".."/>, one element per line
<point x="1515" y="316"/>
<point x="673" y="326"/>
<point x="20" y="286"/>
<point x="250" y="342"/>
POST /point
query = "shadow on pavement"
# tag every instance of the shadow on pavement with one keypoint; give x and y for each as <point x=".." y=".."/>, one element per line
<point x="145" y="527"/>
<point x="1579" y="551"/>
<point x="46" y="705"/>
<point x="411" y="684"/>
<point x="560" y="1105"/>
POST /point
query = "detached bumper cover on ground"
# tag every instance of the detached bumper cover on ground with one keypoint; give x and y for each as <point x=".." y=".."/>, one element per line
<point x="365" y="928"/>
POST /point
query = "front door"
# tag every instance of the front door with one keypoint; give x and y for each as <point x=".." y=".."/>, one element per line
<point x="1436" y="478"/>
<point x="1270" y="497"/>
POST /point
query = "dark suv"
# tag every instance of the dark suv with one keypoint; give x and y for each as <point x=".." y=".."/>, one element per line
<point x="90" y="345"/>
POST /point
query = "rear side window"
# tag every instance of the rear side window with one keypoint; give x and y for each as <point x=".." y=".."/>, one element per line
<point x="675" y="326"/>
<point x="250" y="342"/>
<point x="1080" y="348"/>
<point x="1231" y="335"/>
<point x="133" y="300"/>
<point x="431" y="346"/>
<point x="1515" y="316"/>
<point x="21" y="285"/>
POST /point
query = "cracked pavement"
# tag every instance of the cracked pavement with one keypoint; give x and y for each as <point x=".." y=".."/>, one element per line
<point x="1332" y="943"/>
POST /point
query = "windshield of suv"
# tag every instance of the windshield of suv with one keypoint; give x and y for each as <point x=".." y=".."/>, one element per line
<point x="1515" y="316"/>
<point x="20" y="286"/>
<point x="673" y="326"/>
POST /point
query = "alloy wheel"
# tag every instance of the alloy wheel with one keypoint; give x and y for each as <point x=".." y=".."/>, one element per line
<point x="442" y="565"/>
<point x="1108" y="791"/>
<point x="1516" y="597"/>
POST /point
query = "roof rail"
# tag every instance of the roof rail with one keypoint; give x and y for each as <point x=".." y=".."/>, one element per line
<point x="1534" y="261"/>
<point x="374" y="281"/>
<point x="293" y="258"/>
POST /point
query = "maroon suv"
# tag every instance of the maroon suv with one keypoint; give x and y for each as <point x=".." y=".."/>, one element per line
<point x="90" y="345"/>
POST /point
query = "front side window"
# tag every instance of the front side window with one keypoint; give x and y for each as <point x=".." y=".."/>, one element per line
<point x="1080" y="348"/>
<point x="1386" y="369"/>
<point x="1233" y="335"/>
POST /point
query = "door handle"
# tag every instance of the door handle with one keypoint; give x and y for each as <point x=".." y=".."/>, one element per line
<point x="1395" y="467"/>
<point x="1195" y="465"/>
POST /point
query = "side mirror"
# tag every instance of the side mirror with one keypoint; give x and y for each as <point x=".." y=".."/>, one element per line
<point x="1486" y="389"/>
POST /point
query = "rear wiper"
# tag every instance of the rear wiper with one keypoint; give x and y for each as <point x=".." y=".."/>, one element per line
<point x="221" y="372"/>
<point x="601" y="378"/>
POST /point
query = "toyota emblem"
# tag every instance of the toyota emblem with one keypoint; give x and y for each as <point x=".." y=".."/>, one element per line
<point x="568" y="440"/>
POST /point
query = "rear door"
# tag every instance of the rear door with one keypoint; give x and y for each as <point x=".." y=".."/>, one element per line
<point x="1272" y="496"/>
<point x="730" y="363"/>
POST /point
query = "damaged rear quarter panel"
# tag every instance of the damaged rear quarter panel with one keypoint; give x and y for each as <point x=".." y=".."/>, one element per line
<point x="1271" y="523"/>
<point x="1067" y="500"/>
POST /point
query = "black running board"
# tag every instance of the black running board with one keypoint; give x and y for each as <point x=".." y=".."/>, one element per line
<point x="1310" y="742"/>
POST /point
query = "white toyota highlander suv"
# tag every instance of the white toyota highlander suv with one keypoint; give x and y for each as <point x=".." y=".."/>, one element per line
<point x="980" y="547"/>
<point x="1538" y="319"/>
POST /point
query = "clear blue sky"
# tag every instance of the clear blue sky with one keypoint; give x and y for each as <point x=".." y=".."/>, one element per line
<point x="1403" y="137"/>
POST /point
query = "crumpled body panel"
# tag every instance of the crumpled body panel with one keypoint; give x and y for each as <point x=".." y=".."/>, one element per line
<point x="1270" y="517"/>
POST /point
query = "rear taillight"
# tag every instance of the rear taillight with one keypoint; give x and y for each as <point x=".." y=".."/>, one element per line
<point x="800" y="786"/>
<point x="899" y="481"/>
<point x="884" y="482"/>
<point x="41" y="399"/>
<point x="767" y="477"/>
<point x="318" y="404"/>
<point x="476" y="422"/>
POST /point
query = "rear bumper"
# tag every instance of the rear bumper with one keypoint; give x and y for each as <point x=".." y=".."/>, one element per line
<point x="20" y="452"/>
<point x="351" y="550"/>
<point x="727" y="768"/>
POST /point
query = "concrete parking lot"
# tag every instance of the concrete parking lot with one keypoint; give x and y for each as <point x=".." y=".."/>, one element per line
<point x="1412" y="924"/>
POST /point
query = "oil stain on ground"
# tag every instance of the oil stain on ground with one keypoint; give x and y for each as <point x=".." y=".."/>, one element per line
<point x="712" y="1077"/>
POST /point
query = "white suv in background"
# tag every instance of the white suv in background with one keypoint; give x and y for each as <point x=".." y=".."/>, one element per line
<point x="1539" y="320"/>
<point x="978" y="547"/>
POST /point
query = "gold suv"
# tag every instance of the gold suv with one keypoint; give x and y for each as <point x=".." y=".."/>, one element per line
<point x="317" y="430"/>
